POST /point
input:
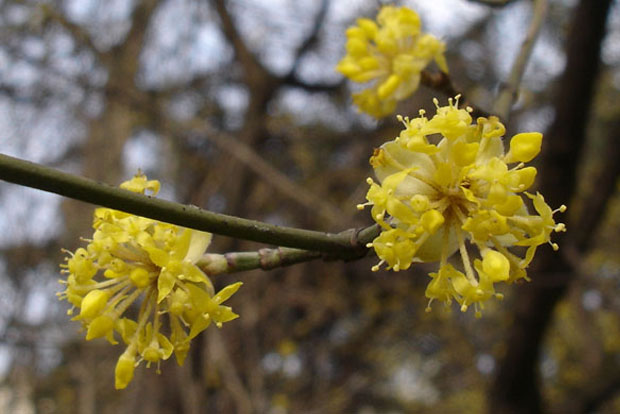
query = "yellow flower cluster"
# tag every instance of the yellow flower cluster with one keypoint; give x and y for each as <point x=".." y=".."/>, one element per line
<point x="132" y="257"/>
<point x="392" y="52"/>
<point x="438" y="195"/>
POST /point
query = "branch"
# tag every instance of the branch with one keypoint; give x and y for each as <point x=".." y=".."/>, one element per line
<point x="602" y="390"/>
<point x="441" y="82"/>
<point x="596" y="199"/>
<point x="508" y="93"/>
<point x="48" y="179"/>
<point x="265" y="259"/>
<point x="493" y="3"/>
<point x="309" y="41"/>
<point x="294" y="81"/>
<point x="252" y="160"/>
<point x="227" y="25"/>
<point x="79" y="34"/>
<point x="516" y="386"/>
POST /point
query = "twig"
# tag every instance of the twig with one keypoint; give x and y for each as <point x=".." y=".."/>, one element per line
<point x="493" y="3"/>
<point x="80" y="188"/>
<point x="441" y="82"/>
<point x="265" y="259"/>
<point x="252" y="160"/>
<point x="508" y="93"/>
<point x="312" y="37"/>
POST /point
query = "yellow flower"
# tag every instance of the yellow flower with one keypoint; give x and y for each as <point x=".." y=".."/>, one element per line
<point x="434" y="194"/>
<point x="391" y="52"/>
<point x="131" y="258"/>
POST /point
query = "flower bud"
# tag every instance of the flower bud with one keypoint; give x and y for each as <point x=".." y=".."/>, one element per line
<point x="524" y="147"/>
<point x="93" y="303"/>
<point x="123" y="374"/>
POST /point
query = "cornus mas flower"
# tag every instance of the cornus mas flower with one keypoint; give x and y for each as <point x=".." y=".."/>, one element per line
<point x="137" y="261"/>
<point x="433" y="197"/>
<point x="391" y="52"/>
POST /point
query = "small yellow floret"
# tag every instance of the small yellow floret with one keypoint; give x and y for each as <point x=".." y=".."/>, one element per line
<point x="123" y="373"/>
<point x="100" y="326"/>
<point x="445" y="185"/>
<point x="151" y="267"/>
<point x="140" y="277"/>
<point x="496" y="265"/>
<point x="93" y="303"/>
<point x="390" y="53"/>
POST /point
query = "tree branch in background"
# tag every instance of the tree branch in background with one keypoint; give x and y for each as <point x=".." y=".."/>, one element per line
<point x="293" y="80"/>
<point x="601" y="391"/>
<point x="594" y="203"/>
<point x="251" y="159"/>
<point x="509" y="91"/>
<point x="80" y="35"/>
<point x="441" y="82"/>
<point x="493" y="3"/>
<point x="516" y="387"/>
<point x="250" y="63"/>
<point x="312" y="37"/>
<point x="350" y="242"/>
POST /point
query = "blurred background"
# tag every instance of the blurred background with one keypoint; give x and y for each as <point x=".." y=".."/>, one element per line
<point x="235" y="107"/>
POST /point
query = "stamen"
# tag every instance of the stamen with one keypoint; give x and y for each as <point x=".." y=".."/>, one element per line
<point x="428" y="306"/>
<point x="469" y="271"/>
<point x="107" y="283"/>
<point x="444" y="245"/>
<point x="376" y="267"/>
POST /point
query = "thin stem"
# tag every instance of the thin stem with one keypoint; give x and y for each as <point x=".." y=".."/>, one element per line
<point x="469" y="272"/>
<point x="493" y="3"/>
<point x="508" y="93"/>
<point x="48" y="179"/>
<point x="214" y="264"/>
